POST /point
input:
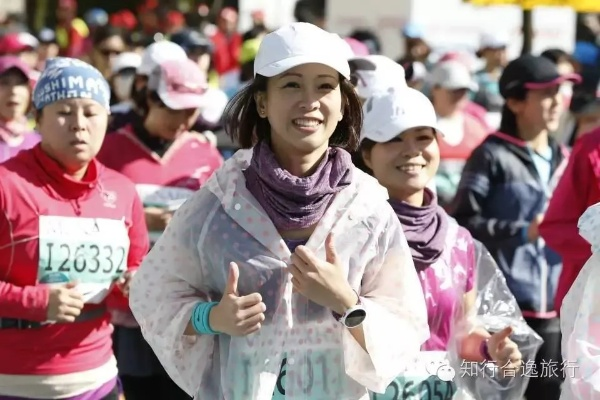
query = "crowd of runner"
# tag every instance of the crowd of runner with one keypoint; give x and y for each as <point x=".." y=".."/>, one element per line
<point x="286" y="213"/>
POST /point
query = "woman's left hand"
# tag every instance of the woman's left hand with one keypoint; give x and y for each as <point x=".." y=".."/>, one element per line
<point x="322" y="281"/>
<point x="505" y="352"/>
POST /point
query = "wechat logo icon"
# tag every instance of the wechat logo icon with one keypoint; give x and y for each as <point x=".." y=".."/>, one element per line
<point x="442" y="370"/>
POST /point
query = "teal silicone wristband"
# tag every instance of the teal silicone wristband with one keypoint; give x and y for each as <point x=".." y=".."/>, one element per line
<point x="200" y="318"/>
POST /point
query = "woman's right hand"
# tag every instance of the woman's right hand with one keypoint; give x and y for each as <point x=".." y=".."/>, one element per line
<point x="64" y="303"/>
<point x="235" y="315"/>
<point x="157" y="218"/>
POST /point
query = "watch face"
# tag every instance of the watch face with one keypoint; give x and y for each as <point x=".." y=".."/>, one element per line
<point x="355" y="318"/>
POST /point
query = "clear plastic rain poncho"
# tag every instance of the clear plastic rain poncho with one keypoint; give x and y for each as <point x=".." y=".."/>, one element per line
<point x="580" y="319"/>
<point x="445" y="283"/>
<point x="465" y="273"/>
<point x="495" y="309"/>
<point x="223" y="223"/>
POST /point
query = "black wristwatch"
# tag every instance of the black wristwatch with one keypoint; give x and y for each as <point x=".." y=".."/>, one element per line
<point x="353" y="317"/>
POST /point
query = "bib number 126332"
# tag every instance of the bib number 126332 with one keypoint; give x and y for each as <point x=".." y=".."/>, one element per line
<point x="87" y="250"/>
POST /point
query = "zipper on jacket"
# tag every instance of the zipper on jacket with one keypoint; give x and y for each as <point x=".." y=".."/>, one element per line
<point x="540" y="243"/>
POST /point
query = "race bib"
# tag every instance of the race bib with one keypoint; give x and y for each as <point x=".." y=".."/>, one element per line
<point x="167" y="197"/>
<point x="430" y="378"/>
<point x="319" y="379"/>
<point x="91" y="251"/>
<point x="417" y="388"/>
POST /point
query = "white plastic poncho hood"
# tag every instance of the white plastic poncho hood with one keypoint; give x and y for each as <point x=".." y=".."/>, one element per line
<point x="223" y="223"/>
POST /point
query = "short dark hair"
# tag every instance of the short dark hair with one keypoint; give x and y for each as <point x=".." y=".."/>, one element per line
<point x="556" y="55"/>
<point x="309" y="10"/>
<point x="243" y="124"/>
<point x="106" y="32"/>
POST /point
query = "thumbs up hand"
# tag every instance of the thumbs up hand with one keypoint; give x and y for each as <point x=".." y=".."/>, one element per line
<point x="237" y="315"/>
<point x="322" y="281"/>
<point x="504" y="351"/>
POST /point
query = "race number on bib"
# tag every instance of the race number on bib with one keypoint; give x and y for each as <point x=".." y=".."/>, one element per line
<point x="91" y="251"/>
<point x="417" y="388"/>
<point x="318" y="379"/>
<point x="429" y="377"/>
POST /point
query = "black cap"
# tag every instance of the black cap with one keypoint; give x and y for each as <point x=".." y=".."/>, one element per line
<point x="191" y="40"/>
<point x="531" y="72"/>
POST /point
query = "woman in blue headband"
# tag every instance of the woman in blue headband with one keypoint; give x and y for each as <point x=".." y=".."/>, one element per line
<point x="71" y="232"/>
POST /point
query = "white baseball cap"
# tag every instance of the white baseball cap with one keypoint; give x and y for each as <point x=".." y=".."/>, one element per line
<point x="376" y="73"/>
<point x="493" y="40"/>
<point x="452" y="75"/>
<point x="301" y="43"/>
<point x="158" y="52"/>
<point x="126" y="60"/>
<point x="387" y="115"/>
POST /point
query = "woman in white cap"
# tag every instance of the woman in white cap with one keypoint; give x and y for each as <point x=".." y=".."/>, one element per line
<point x="287" y="275"/>
<point x="400" y="148"/>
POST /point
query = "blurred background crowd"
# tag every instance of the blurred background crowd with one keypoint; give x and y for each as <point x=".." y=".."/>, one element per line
<point x="223" y="38"/>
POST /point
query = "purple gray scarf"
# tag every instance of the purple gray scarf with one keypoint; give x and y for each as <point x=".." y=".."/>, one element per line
<point x="293" y="202"/>
<point x="425" y="228"/>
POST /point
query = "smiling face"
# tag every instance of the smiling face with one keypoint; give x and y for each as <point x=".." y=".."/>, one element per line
<point x="405" y="164"/>
<point x="303" y="106"/>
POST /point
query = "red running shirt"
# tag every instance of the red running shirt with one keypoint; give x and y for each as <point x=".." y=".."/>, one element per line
<point x="165" y="181"/>
<point x="53" y="229"/>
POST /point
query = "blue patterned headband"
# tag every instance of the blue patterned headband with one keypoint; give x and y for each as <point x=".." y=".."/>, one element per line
<point x="69" y="78"/>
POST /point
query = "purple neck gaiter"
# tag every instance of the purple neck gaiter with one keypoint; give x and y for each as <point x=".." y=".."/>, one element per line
<point x="293" y="202"/>
<point x="425" y="228"/>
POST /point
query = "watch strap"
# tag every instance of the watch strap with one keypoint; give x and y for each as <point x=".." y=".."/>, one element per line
<point x="338" y="317"/>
